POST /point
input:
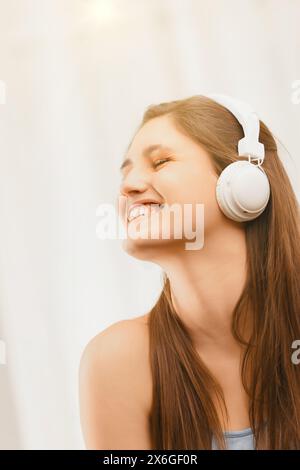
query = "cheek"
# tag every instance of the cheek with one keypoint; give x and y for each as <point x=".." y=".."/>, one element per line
<point x="187" y="187"/>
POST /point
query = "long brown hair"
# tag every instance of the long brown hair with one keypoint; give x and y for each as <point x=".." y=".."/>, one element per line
<point x="183" y="414"/>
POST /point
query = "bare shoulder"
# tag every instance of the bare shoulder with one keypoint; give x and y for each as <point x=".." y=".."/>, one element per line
<point x="116" y="386"/>
<point x="121" y="342"/>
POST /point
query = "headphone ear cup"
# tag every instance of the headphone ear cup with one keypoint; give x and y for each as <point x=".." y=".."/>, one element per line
<point x="242" y="191"/>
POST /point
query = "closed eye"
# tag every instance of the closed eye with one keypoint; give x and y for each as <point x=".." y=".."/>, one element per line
<point x="161" y="161"/>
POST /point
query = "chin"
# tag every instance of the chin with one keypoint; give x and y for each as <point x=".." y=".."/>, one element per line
<point x="150" y="249"/>
<point x="151" y="238"/>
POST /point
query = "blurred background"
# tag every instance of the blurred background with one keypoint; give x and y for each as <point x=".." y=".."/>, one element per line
<point x="75" y="78"/>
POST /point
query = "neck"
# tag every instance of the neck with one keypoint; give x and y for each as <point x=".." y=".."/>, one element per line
<point x="206" y="285"/>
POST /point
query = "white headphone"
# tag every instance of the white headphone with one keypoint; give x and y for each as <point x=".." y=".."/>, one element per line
<point x="243" y="188"/>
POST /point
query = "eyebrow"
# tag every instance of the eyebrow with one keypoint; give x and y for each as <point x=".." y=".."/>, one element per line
<point x="146" y="153"/>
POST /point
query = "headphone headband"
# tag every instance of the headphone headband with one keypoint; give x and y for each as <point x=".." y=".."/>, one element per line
<point x="249" y="145"/>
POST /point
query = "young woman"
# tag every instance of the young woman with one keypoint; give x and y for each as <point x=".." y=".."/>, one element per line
<point x="210" y="366"/>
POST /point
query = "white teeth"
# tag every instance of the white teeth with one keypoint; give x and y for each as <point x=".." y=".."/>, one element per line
<point x="142" y="209"/>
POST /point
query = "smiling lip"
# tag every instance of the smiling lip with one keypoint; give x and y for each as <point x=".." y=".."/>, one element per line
<point x="141" y="202"/>
<point x="132" y="217"/>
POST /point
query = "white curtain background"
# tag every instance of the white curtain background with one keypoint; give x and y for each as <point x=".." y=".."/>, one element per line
<point x="76" y="76"/>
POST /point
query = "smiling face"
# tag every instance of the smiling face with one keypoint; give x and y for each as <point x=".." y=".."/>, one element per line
<point x="165" y="166"/>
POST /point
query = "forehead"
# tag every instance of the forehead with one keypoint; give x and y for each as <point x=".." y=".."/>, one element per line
<point x="162" y="132"/>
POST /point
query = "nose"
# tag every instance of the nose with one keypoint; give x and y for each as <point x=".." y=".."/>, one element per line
<point x="136" y="181"/>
